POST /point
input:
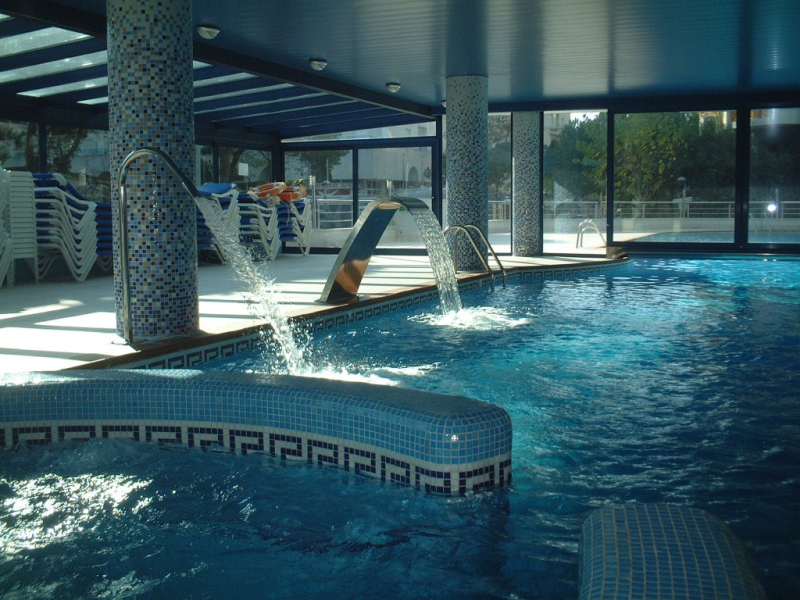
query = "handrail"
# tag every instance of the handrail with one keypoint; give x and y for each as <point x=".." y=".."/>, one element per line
<point x="587" y="225"/>
<point x="490" y="248"/>
<point x="465" y="229"/>
<point x="186" y="183"/>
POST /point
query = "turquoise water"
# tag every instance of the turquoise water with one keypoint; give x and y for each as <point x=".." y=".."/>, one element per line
<point x="667" y="380"/>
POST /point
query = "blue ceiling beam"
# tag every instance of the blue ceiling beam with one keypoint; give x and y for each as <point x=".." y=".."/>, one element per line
<point x="249" y="112"/>
<point x="48" y="13"/>
<point x="11" y="27"/>
<point x="265" y="68"/>
<point x="35" y="83"/>
<point x="308" y="119"/>
<point x="398" y="119"/>
<point x="262" y="97"/>
<point x="336" y="112"/>
<point x="238" y="85"/>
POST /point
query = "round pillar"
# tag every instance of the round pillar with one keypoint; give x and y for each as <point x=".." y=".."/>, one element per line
<point x="468" y="159"/>
<point x="526" y="212"/>
<point x="151" y="104"/>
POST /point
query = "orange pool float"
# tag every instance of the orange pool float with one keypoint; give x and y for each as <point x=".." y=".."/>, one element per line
<point x="274" y="188"/>
<point x="292" y="193"/>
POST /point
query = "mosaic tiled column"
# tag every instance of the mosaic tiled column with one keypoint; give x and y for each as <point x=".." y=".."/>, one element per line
<point x="468" y="159"/>
<point x="526" y="128"/>
<point x="151" y="105"/>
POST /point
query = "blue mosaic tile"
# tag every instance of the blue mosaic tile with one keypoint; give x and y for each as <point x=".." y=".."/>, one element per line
<point x="444" y="444"/>
<point x="151" y="104"/>
<point x="526" y="184"/>
<point x="468" y="158"/>
<point x="642" y="551"/>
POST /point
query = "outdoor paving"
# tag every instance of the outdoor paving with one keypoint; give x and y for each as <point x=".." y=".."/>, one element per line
<point x="57" y="325"/>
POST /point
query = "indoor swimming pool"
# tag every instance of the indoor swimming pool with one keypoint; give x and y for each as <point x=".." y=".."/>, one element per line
<point x="664" y="381"/>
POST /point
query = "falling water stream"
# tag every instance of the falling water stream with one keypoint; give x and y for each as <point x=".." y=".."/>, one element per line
<point x="439" y="253"/>
<point x="264" y="304"/>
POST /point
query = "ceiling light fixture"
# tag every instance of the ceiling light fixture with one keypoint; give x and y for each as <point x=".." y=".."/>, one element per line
<point x="393" y="87"/>
<point x="318" y="63"/>
<point x="207" y="32"/>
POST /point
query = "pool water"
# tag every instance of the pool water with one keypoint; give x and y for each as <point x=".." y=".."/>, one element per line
<point x="668" y="380"/>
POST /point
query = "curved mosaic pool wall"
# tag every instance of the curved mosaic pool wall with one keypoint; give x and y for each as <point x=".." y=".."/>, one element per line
<point x="440" y="443"/>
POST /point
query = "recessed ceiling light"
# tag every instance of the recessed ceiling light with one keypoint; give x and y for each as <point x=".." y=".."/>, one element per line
<point x="393" y="87"/>
<point x="318" y="63"/>
<point x="207" y="32"/>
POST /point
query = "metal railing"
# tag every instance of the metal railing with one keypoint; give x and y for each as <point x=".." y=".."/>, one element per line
<point x="665" y="209"/>
<point x="467" y="229"/>
<point x="588" y="225"/>
<point x="499" y="210"/>
<point x="186" y="183"/>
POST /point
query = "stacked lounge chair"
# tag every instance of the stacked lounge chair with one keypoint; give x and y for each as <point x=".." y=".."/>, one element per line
<point x="293" y="218"/>
<point x="225" y="195"/>
<point x="70" y="227"/>
<point x="20" y="219"/>
<point x="259" y="219"/>
<point x="105" y="235"/>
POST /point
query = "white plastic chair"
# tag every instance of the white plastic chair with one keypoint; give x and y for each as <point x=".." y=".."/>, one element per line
<point x="259" y="222"/>
<point x="294" y="225"/>
<point x="226" y="196"/>
<point x="66" y="226"/>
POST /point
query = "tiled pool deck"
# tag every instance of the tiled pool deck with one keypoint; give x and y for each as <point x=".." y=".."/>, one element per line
<point x="59" y="325"/>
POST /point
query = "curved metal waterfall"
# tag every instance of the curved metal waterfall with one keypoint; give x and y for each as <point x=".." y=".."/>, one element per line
<point x="351" y="264"/>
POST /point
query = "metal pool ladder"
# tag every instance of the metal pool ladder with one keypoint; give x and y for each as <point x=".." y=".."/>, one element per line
<point x="590" y="226"/>
<point x="467" y="231"/>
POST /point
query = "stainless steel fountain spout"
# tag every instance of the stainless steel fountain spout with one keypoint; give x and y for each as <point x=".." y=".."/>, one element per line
<point x="348" y="270"/>
<point x="127" y="321"/>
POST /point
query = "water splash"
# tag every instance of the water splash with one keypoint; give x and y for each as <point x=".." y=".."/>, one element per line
<point x="476" y="318"/>
<point x="345" y="374"/>
<point x="263" y="302"/>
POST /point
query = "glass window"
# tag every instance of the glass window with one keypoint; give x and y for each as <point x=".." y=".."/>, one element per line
<point x="331" y="196"/>
<point x="246" y="168"/>
<point x="774" y="176"/>
<point x="36" y="40"/>
<point x="379" y="133"/>
<point x="400" y="172"/>
<point x="81" y="155"/>
<point x="203" y="164"/>
<point x="56" y="66"/>
<point x="19" y="146"/>
<point x="575" y="163"/>
<point x="674" y="176"/>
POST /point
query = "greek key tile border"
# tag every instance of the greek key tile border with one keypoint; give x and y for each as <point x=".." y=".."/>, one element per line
<point x="319" y="451"/>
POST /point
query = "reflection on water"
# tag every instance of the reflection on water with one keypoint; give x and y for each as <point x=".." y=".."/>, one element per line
<point x="668" y="381"/>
